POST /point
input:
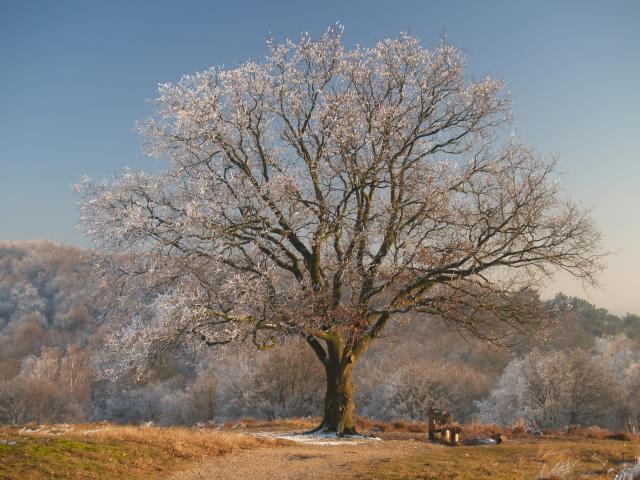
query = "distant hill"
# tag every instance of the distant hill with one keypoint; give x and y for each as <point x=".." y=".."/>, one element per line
<point x="45" y="301"/>
<point x="583" y="322"/>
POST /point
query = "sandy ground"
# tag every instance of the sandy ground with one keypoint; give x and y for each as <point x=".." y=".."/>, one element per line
<point x="299" y="461"/>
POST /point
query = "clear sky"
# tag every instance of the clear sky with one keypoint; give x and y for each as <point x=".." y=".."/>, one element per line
<point x="75" y="76"/>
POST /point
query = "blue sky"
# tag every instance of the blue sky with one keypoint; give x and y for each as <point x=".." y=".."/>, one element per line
<point x="75" y="76"/>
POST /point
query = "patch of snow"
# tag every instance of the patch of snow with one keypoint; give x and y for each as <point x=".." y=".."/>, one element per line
<point x="629" y="473"/>
<point x="59" y="429"/>
<point x="26" y="430"/>
<point x="481" y="441"/>
<point x="320" y="438"/>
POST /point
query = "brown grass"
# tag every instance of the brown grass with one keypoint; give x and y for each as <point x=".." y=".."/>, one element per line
<point x="180" y="441"/>
<point x="477" y="429"/>
<point x="519" y="427"/>
<point x="625" y="437"/>
<point x="417" y="427"/>
<point x="363" y="424"/>
<point x="279" y="424"/>
<point x="525" y="458"/>
<point x="112" y="451"/>
<point x="588" y="432"/>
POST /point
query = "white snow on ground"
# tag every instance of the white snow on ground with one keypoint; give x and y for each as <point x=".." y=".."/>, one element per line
<point x="326" y="439"/>
<point x="58" y="429"/>
<point x="630" y="473"/>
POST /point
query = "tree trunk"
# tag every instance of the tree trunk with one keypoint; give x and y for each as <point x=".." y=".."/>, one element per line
<point x="339" y="407"/>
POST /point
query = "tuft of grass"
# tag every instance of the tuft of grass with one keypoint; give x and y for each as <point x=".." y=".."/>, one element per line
<point x="558" y="464"/>
<point x="519" y="427"/>
<point x="588" y="432"/>
<point x="559" y="471"/>
<point x="400" y="425"/>
<point x="478" y="429"/>
<point x="365" y="424"/>
<point x="417" y="427"/>
<point x="625" y="437"/>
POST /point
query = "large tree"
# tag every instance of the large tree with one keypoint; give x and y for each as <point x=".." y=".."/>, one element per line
<point x="324" y="192"/>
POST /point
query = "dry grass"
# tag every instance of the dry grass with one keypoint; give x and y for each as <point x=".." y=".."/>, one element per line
<point x="180" y="441"/>
<point x="558" y="471"/>
<point x="525" y="458"/>
<point x="519" y="427"/>
<point x="557" y="464"/>
<point x="112" y="451"/>
<point x="109" y="451"/>
<point x="469" y="430"/>
<point x="363" y="424"/>
<point x="280" y="424"/>
<point x="588" y="432"/>
<point x="477" y="429"/>
<point x="625" y="437"/>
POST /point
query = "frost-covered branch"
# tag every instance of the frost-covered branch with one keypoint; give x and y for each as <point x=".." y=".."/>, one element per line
<point x="325" y="191"/>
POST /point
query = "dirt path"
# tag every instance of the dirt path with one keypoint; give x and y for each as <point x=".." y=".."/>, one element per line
<point x="299" y="461"/>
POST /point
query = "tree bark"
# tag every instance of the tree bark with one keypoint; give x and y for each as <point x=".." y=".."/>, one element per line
<point x="339" y="407"/>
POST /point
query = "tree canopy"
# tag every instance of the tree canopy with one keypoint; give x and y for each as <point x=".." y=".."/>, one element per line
<point x="325" y="191"/>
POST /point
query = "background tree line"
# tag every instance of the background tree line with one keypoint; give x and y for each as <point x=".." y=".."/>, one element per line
<point x="585" y="369"/>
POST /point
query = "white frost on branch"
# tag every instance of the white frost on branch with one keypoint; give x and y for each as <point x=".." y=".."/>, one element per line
<point x="325" y="191"/>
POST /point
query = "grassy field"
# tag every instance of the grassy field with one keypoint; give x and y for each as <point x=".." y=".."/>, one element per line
<point x="127" y="452"/>
<point x="111" y="452"/>
<point x="521" y="458"/>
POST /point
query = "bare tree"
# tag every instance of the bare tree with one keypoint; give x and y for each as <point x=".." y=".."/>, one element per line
<point x="284" y="383"/>
<point x="589" y="390"/>
<point x="31" y="400"/>
<point x="324" y="192"/>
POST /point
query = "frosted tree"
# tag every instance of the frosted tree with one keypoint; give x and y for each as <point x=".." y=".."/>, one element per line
<point x="325" y="192"/>
<point x="551" y="389"/>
